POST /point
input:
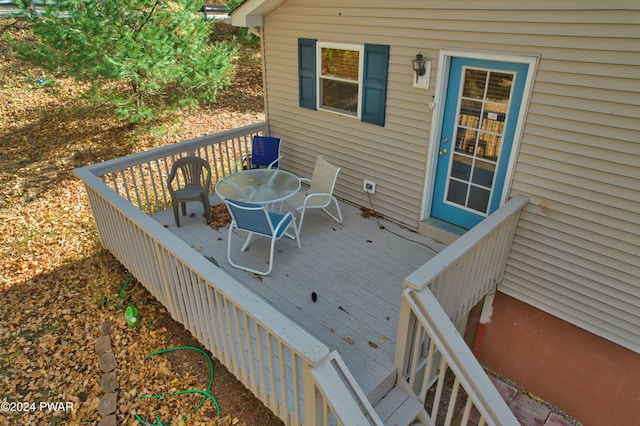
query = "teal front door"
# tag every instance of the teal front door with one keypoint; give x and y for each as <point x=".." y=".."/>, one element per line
<point x="483" y="100"/>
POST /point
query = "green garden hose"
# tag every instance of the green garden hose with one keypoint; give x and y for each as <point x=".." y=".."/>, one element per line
<point x="205" y="393"/>
<point x="120" y="295"/>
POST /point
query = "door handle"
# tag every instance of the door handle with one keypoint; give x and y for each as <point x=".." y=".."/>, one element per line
<point x="443" y="151"/>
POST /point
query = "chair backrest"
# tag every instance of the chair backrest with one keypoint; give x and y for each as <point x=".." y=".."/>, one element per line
<point x="264" y="151"/>
<point x="250" y="217"/>
<point x="324" y="177"/>
<point x="191" y="170"/>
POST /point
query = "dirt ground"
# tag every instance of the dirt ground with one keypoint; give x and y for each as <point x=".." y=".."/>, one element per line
<point x="58" y="285"/>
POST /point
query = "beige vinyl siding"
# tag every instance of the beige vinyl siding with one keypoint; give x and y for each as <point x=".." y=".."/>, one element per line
<point x="577" y="250"/>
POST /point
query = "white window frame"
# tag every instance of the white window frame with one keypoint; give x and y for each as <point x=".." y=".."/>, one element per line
<point x="319" y="77"/>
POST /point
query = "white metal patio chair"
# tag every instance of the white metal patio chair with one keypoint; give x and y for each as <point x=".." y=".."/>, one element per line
<point x="319" y="194"/>
<point x="256" y="219"/>
<point x="189" y="180"/>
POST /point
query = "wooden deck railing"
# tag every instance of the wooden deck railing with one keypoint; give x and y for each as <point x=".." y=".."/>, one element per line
<point x="289" y="370"/>
<point x="440" y="294"/>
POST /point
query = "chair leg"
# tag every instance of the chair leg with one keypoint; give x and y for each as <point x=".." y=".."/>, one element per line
<point x="176" y="216"/>
<point x="245" y="268"/>
<point x="339" y="217"/>
<point x="184" y="208"/>
<point x="207" y="209"/>
<point x="247" y="242"/>
<point x="299" y="227"/>
<point x="295" y="229"/>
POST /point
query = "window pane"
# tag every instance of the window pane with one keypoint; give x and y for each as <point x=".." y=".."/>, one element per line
<point x="461" y="167"/>
<point x="499" y="87"/>
<point x="483" y="172"/>
<point x="339" y="95"/>
<point x="470" y="113"/>
<point x="457" y="192"/>
<point x="466" y="140"/>
<point x="340" y="63"/>
<point x="474" y="82"/>
<point x="478" y="199"/>
<point x="489" y="146"/>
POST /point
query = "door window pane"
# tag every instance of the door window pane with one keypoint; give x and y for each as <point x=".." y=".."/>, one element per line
<point x="483" y="172"/>
<point x="478" y="199"/>
<point x="457" y="192"/>
<point x="466" y="141"/>
<point x="474" y="83"/>
<point x="461" y="167"/>
<point x="499" y="87"/>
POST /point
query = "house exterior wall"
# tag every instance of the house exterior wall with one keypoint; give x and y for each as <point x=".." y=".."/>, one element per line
<point x="577" y="251"/>
<point x="592" y="380"/>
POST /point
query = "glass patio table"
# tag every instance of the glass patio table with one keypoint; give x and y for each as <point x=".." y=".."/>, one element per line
<point x="260" y="186"/>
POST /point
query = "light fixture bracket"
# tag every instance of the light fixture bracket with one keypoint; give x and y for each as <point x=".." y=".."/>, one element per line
<point x="422" y="71"/>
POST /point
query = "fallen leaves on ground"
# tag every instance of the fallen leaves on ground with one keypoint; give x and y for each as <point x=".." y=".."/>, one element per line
<point x="58" y="284"/>
<point x="220" y="216"/>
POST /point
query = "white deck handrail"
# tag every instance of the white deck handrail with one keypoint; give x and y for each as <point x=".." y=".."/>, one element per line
<point x="272" y="356"/>
<point x="472" y="266"/>
<point x="141" y="178"/>
<point x="440" y="294"/>
<point x="447" y="350"/>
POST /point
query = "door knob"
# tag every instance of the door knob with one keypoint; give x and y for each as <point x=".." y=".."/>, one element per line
<point x="443" y="151"/>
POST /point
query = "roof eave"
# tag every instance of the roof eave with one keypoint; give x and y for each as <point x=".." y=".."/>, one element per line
<point x="250" y="13"/>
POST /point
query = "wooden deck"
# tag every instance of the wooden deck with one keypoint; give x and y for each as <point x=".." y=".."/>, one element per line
<point x="355" y="268"/>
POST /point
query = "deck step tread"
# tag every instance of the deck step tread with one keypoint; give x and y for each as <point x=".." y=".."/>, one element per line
<point x="397" y="408"/>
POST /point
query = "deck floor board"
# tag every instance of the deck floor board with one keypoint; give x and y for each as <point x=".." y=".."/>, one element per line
<point x="355" y="268"/>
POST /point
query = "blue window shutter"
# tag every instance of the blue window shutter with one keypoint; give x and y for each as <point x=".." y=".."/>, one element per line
<point x="307" y="72"/>
<point x="374" y="83"/>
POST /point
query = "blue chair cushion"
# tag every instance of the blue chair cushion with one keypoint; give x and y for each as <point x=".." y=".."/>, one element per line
<point x="276" y="218"/>
<point x="251" y="217"/>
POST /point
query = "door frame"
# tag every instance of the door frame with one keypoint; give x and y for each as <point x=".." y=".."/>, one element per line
<point x="440" y="93"/>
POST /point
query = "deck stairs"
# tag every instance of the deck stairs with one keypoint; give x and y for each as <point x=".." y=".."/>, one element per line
<point x="398" y="407"/>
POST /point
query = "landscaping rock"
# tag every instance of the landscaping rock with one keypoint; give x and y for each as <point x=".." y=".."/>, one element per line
<point x="108" y="404"/>
<point x="103" y="344"/>
<point x="109" y="420"/>
<point x="109" y="382"/>
<point x="107" y="362"/>
<point x="106" y="326"/>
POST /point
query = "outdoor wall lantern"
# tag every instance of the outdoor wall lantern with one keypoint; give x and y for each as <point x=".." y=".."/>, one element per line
<point x="421" y="68"/>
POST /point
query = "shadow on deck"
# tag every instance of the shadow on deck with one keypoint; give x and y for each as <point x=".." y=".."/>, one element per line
<point x="356" y="269"/>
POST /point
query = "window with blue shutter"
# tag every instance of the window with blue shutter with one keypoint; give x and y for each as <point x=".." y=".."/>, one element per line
<point x="335" y="78"/>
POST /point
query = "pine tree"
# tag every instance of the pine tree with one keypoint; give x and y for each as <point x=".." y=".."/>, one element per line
<point x="160" y="50"/>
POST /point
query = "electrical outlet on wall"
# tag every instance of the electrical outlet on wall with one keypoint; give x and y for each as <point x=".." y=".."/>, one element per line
<point x="369" y="186"/>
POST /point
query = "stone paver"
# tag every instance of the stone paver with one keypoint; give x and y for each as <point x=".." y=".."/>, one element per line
<point x="109" y="420"/>
<point x="103" y="344"/>
<point x="529" y="411"/>
<point x="109" y="382"/>
<point x="105" y="327"/>
<point x="108" y="404"/>
<point x="557" y="420"/>
<point x="507" y="392"/>
<point x="107" y="361"/>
